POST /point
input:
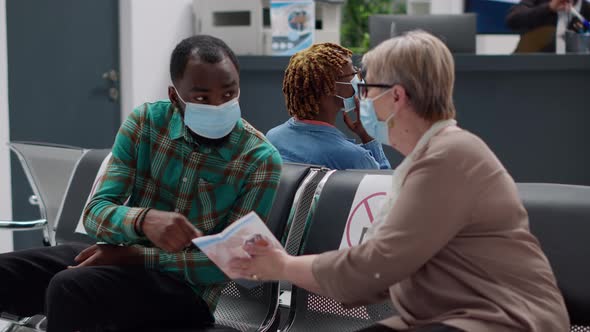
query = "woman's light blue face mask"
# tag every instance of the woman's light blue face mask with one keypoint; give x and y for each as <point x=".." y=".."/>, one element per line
<point x="379" y="130"/>
<point x="212" y="121"/>
<point x="349" y="103"/>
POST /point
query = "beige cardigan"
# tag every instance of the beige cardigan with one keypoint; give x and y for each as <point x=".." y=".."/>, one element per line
<point x="456" y="249"/>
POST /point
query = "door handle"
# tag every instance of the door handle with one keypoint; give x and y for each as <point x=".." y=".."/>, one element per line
<point x="114" y="94"/>
<point x="111" y="75"/>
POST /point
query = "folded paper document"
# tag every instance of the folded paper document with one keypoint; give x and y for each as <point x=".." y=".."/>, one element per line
<point x="223" y="247"/>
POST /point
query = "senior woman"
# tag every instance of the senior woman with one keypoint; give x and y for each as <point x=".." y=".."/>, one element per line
<point x="452" y="248"/>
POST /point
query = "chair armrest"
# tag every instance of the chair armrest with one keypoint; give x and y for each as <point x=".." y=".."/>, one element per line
<point x="23" y="225"/>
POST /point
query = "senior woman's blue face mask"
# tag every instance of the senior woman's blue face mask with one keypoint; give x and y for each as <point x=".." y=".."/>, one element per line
<point x="379" y="130"/>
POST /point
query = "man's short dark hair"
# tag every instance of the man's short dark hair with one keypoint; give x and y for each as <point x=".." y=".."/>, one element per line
<point x="208" y="48"/>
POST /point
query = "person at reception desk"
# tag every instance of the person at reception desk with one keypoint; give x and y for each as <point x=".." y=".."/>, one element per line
<point x="180" y="168"/>
<point x="543" y="23"/>
<point x="451" y="247"/>
<point x="319" y="85"/>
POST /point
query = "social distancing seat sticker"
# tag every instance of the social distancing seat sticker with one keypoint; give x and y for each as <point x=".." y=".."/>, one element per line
<point x="366" y="207"/>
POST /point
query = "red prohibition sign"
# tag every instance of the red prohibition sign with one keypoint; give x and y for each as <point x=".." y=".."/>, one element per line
<point x="365" y="203"/>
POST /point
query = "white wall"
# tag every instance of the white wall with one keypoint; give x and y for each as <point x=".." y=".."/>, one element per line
<point x="149" y="30"/>
<point x="5" y="179"/>
<point x="496" y="44"/>
<point x="446" y="6"/>
<point x="421" y="7"/>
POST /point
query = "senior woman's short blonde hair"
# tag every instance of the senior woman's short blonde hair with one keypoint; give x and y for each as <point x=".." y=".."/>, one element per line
<point x="423" y="65"/>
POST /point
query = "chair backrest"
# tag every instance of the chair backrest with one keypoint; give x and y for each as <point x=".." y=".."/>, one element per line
<point x="292" y="176"/>
<point x="457" y="31"/>
<point x="325" y="226"/>
<point x="79" y="188"/>
<point x="299" y="216"/>
<point x="256" y="309"/>
<point x="48" y="169"/>
<point x="559" y="217"/>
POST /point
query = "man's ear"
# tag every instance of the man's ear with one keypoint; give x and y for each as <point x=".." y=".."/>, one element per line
<point x="173" y="97"/>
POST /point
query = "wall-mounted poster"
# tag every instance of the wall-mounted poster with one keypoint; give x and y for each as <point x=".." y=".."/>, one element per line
<point x="293" y="25"/>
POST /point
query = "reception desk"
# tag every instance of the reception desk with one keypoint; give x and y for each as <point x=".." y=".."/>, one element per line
<point x="532" y="110"/>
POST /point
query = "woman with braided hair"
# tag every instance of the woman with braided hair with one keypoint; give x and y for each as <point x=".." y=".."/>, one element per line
<point x="320" y="83"/>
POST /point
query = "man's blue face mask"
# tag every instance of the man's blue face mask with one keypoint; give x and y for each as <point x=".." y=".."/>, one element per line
<point x="349" y="102"/>
<point x="211" y="121"/>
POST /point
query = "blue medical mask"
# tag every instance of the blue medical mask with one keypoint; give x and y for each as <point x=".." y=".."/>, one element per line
<point x="212" y="121"/>
<point x="349" y="102"/>
<point x="379" y="130"/>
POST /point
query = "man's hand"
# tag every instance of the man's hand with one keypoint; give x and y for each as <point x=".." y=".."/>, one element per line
<point x="560" y="5"/>
<point x="356" y="126"/>
<point x="108" y="254"/>
<point x="169" y="231"/>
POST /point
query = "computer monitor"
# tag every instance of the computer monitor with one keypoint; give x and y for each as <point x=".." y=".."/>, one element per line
<point x="456" y="31"/>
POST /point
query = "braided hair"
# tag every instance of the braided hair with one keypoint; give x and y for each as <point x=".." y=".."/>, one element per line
<point x="312" y="74"/>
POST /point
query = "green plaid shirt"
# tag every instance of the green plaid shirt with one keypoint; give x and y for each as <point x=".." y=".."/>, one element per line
<point x="157" y="164"/>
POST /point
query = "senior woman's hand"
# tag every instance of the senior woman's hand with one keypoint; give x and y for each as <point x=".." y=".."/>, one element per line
<point x="271" y="263"/>
<point x="266" y="262"/>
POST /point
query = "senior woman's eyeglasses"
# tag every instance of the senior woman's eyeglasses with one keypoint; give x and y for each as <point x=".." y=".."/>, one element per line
<point x="363" y="88"/>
